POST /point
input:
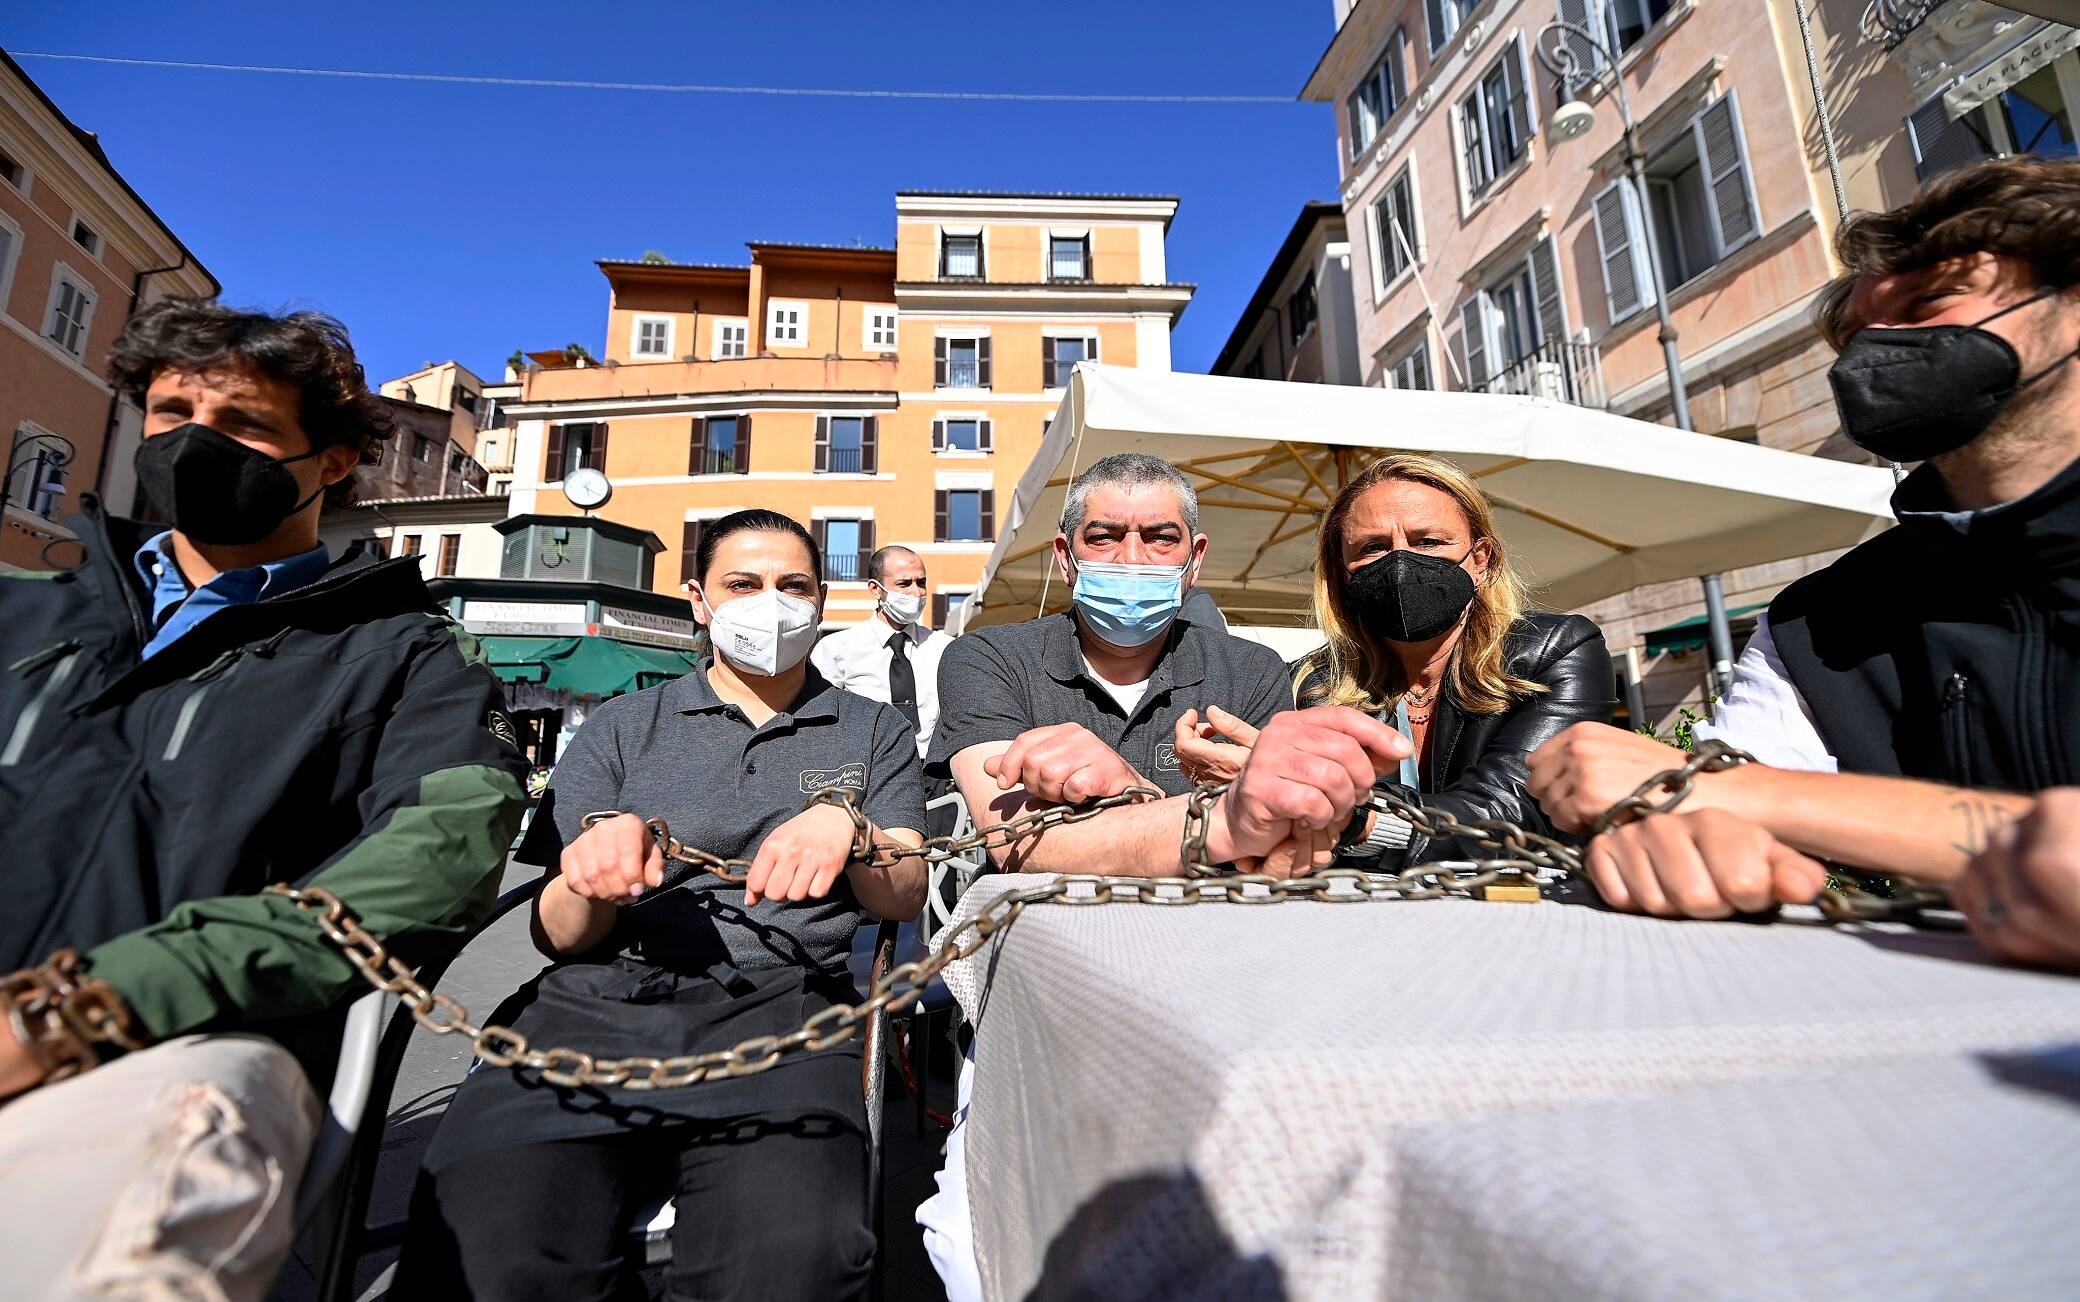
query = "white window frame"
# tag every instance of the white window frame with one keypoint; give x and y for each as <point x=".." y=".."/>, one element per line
<point x="978" y="418"/>
<point x="635" y="337"/>
<point x="1633" y="218"/>
<point x="20" y="184"/>
<point x="29" y="497"/>
<point x="1394" y="57"/>
<point x="11" y="260"/>
<point x="980" y="234"/>
<point x="878" y="318"/>
<point x="800" y="307"/>
<point x="1382" y="234"/>
<point x="1393" y="369"/>
<point x="1454" y="12"/>
<point x="62" y="274"/>
<point x="92" y="245"/>
<point x="1082" y="237"/>
<point x="1092" y="348"/>
<point x="743" y="342"/>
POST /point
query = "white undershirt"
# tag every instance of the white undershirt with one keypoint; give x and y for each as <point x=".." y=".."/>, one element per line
<point x="1763" y="713"/>
<point x="1128" y="695"/>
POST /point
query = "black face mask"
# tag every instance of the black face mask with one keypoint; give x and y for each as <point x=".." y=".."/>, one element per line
<point x="1915" y="392"/>
<point x="1406" y="596"/>
<point x="214" y="488"/>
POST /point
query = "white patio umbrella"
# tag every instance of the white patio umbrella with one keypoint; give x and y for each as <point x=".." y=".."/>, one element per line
<point x="1588" y="504"/>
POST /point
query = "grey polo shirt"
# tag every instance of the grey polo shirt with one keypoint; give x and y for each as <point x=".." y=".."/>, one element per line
<point x="996" y="683"/>
<point x="681" y="753"/>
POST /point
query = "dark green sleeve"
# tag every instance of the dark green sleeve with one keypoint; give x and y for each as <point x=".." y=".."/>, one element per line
<point x="444" y="801"/>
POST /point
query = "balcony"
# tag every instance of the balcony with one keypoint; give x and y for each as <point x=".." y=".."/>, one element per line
<point x="1562" y="371"/>
<point x="1888" y="22"/>
<point x="844" y="567"/>
<point x="842" y="461"/>
<point x="732" y="375"/>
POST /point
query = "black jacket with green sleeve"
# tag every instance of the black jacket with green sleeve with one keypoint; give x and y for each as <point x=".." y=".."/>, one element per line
<point x="344" y="734"/>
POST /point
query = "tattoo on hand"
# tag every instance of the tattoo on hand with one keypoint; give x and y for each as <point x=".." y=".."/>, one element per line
<point x="1980" y="820"/>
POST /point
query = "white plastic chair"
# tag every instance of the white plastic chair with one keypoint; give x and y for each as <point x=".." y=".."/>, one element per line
<point x="967" y="867"/>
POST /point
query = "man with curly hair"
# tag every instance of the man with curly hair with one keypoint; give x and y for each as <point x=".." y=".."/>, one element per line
<point x="201" y="708"/>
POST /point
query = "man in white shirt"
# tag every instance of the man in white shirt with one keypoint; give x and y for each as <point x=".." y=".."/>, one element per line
<point x="892" y="657"/>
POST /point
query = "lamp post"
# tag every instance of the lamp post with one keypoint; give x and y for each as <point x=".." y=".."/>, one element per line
<point x="53" y="453"/>
<point x="1558" y="47"/>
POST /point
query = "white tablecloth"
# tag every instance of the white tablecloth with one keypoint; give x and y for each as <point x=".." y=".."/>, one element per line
<point x="1452" y="1098"/>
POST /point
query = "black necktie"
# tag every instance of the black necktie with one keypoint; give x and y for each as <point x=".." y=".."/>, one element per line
<point x="902" y="682"/>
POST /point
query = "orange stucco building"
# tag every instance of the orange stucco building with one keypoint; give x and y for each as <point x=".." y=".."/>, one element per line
<point x="879" y="395"/>
<point x="78" y="250"/>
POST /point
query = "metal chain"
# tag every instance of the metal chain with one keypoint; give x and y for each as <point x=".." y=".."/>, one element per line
<point x="1525" y="862"/>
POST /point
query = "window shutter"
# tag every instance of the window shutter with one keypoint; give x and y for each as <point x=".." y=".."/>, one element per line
<point x="697" y="447"/>
<point x="823" y="443"/>
<point x="988" y="498"/>
<point x="689" y="547"/>
<point x="1522" y="110"/>
<point x="1090" y="348"/>
<point x="938" y="610"/>
<point x="553" y="470"/>
<point x="938" y="363"/>
<point x="1545" y="282"/>
<point x="938" y="436"/>
<point x="1473" y="329"/>
<point x="866" y="548"/>
<point x="985" y="438"/>
<point x="744" y="444"/>
<point x="939" y="516"/>
<point x="982" y="362"/>
<point x="1047" y="380"/>
<point x="598" y="460"/>
<point x="981" y="245"/>
<point x="1939" y="143"/>
<point x="1578" y="13"/>
<point x="869" y="441"/>
<point x="1725" y="164"/>
<point x="1625" y="290"/>
<point x="1470" y="129"/>
<point x="818" y="532"/>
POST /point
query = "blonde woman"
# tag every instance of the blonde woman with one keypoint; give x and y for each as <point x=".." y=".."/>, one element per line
<point x="1427" y="630"/>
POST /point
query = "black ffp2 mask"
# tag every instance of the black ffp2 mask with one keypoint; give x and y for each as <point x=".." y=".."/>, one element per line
<point x="214" y="488"/>
<point x="1914" y="392"/>
<point x="1406" y="596"/>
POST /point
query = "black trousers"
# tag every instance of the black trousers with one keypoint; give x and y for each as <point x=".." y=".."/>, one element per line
<point x="765" y="1208"/>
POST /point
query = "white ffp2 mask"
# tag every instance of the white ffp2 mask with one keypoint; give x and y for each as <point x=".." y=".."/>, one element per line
<point x="766" y="634"/>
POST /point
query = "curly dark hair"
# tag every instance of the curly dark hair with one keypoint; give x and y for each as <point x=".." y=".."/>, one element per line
<point x="307" y="349"/>
<point x="2022" y="208"/>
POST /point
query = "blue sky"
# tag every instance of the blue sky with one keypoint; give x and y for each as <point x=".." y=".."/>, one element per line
<point x="462" y="221"/>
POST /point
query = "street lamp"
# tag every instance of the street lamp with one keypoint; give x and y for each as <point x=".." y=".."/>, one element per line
<point x="1559" y="47"/>
<point x="53" y="453"/>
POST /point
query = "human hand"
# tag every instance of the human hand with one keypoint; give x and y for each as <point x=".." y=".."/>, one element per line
<point x="1590" y="767"/>
<point x="802" y="857"/>
<point x="19" y="1069"/>
<point x="1062" y="764"/>
<point x="1307" y="771"/>
<point x="1706" y="864"/>
<point x="2021" y="895"/>
<point x="1213" y="749"/>
<point x="613" y="861"/>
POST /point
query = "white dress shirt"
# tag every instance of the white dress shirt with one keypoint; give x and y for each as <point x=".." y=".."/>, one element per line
<point x="856" y="659"/>
<point x="1763" y="713"/>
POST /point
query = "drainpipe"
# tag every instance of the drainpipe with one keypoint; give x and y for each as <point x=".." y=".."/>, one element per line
<point x="115" y="400"/>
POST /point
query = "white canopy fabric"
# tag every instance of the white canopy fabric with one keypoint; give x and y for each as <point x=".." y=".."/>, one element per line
<point x="1588" y="504"/>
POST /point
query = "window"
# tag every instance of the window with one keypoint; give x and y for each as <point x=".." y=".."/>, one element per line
<point x="1058" y="358"/>
<point x="451" y="548"/>
<point x="490" y="416"/>
<point x="39" y="464"/>
<point x="960" y="255"/>
<point x="962" y="434"/>
<point x="1445" y="17"/>
<point x="1068" y="257"/>
<point x="946" y="607"/>
<point x="2033" y="116"/>
<point x="1495" y="119"/>
<point x="845" y="445"/>
<point x="881" y="328"/>
<point x="1700" y="199"/>
<point x="422" y="448"/>
<point x="846" y="546"/>
<point x="84" y="236"/>
<point x="2035" y="112"/>
<point x="961" y="363"/>
<point x="12" y="172"/>
<point x="1300" y="309"/>
<point x="732" y="338"/>
<point x="71" y="308"/>
<point x="575" y="446"/>
<point x="456" y="460"/>
<point x="10" y="250"/>
<point x="721" y="446"/>
<point x="1625" y="21"/>
<point x="1380" y="94"/>
<point x="785" y="323"/>
<point x="1395" y="217"/>
<point x="653" y="337"/>
<point x="466" y="400"/>
<point x="1412" y="371"/>
<point x="965" y="515"/>
<point x="1506" y="323"/>
<point x="410" y="545"/>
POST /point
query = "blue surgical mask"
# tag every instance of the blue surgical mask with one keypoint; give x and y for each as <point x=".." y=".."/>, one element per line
<point x="1128" y="605"/>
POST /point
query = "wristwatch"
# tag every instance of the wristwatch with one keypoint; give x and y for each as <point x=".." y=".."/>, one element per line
<point x="1389" y="832"/>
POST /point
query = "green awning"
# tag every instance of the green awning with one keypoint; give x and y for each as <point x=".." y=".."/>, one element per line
<point x="1690" y="634"/>
<point x="590" y="667"/>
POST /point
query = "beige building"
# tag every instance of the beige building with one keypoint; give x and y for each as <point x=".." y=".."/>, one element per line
<point x="878" y="395"/>
<point x="1301" y="323"/>
<point x="79" y="251"/>
<point x="1488" y="255"/>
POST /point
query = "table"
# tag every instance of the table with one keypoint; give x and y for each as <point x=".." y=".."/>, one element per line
<point x="1456" y="1098"/>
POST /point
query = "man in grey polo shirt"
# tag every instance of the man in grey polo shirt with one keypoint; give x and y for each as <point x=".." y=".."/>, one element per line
<point x="1073" y="707"/>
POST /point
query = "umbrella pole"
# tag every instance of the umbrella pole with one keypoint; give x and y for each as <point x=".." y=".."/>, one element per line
<point x="1721" y="635"/>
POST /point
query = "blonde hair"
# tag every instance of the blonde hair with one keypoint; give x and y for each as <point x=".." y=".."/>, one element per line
<point x="1359" y="669"/>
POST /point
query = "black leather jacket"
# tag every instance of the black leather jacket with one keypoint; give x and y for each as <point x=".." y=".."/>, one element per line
<point x="1475" y="768"/>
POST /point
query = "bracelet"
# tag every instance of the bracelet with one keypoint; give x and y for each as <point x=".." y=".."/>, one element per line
<point x="1675" y="785"/>
<point x="59" y="1019"/>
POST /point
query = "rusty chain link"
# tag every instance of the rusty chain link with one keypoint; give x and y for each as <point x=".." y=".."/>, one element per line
<point x="1524" y="863"/>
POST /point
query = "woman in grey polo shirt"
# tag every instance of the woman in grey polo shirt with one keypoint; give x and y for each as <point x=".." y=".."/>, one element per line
<point x="529" y="1189"/>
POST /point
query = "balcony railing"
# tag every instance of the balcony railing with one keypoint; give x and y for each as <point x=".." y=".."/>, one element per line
<point x="843" y="567"/>
<point x="1557" y="369"/>
<point x="963" y="374"/>
<point x="1888" y="22"/>
<point x="719" y="461"/>
<point x="842" y="461"/>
